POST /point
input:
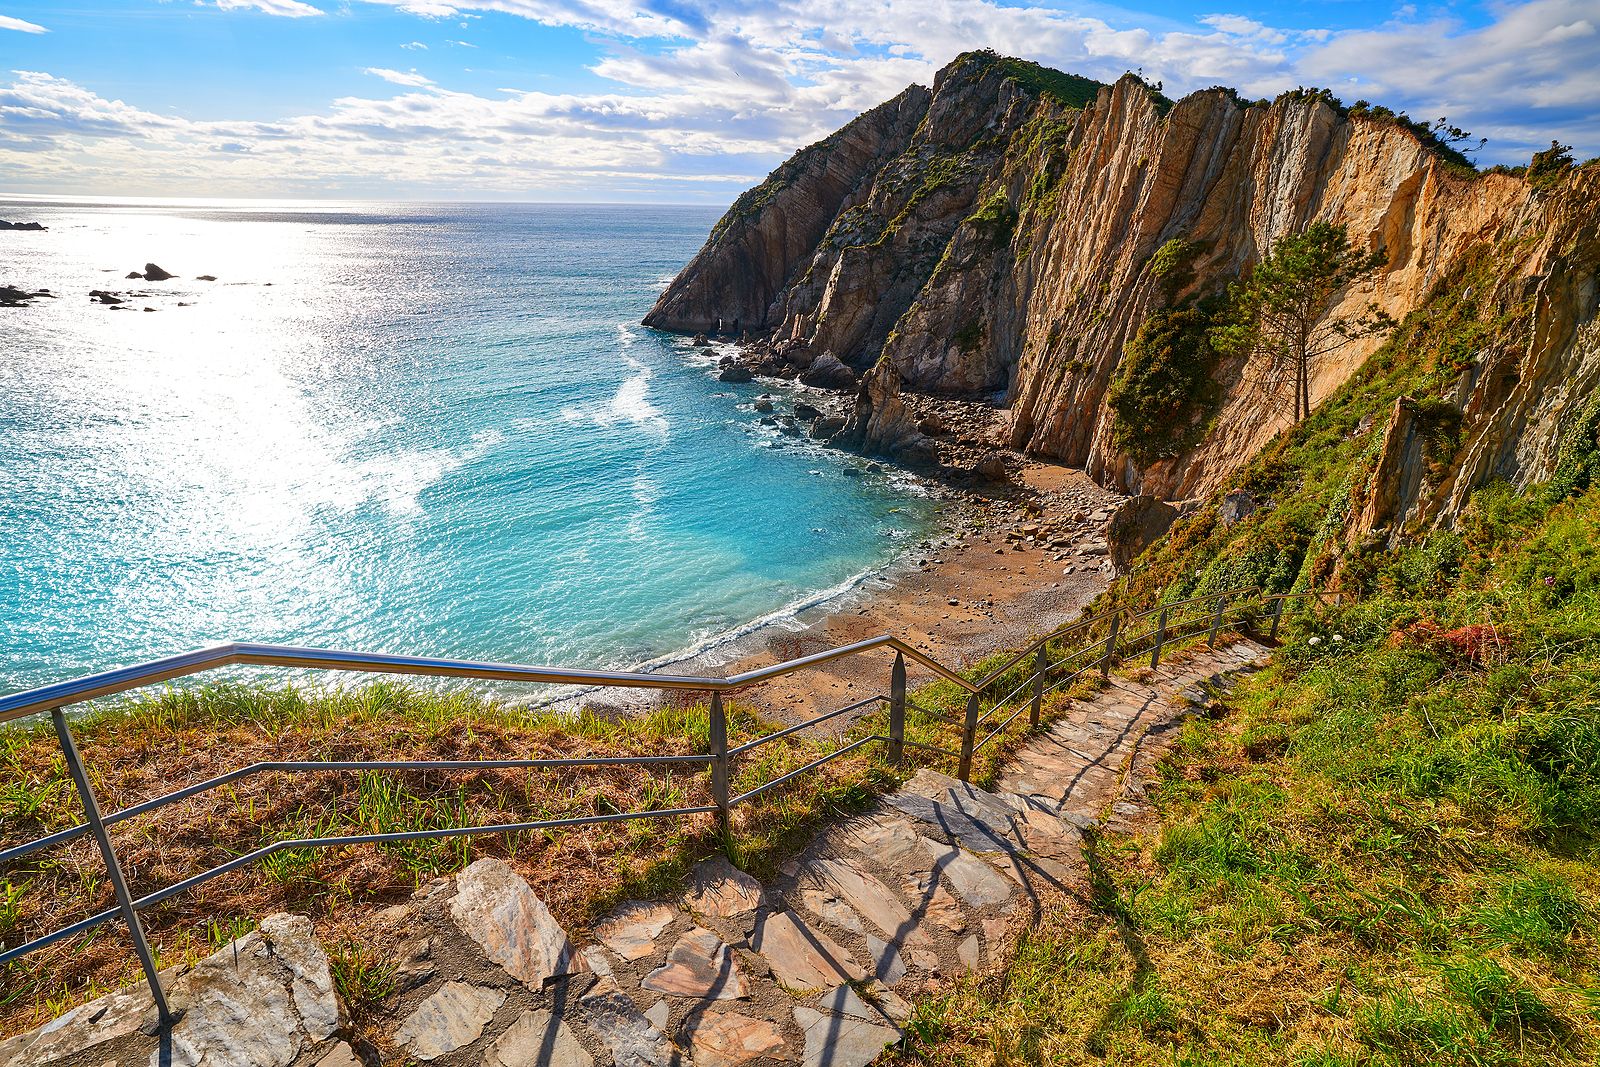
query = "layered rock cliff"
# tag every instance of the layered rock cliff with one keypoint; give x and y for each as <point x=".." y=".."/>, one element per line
<point x="1011" y="230"/>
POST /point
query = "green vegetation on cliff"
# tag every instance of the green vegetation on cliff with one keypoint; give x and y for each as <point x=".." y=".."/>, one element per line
<point x="1382" y="849"/>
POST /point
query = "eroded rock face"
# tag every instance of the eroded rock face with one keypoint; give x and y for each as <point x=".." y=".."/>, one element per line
<point x="1008" y="241"/>
<point x="771" y="232"/>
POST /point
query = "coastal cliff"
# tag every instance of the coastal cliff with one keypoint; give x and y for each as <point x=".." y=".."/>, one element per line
<point x="1010" y="231"/>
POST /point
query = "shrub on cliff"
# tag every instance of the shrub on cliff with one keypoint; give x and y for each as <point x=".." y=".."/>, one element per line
<point x="1164" y="395"/>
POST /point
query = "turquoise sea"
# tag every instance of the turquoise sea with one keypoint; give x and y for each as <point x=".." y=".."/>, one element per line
<point x="428" y="429"/>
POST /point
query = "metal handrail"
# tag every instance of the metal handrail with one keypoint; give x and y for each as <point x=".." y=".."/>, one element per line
<point x="1232" y="594"/>
<point x="54" y="698"/>
<point x="123" y="679"/>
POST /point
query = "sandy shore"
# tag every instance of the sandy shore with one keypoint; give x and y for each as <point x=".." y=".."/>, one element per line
<point x="1012" y="563"/>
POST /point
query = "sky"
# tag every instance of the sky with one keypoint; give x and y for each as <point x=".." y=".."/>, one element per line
<point x="679" y="101"/>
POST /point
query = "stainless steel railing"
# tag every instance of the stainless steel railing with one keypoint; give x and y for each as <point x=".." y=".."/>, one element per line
<point x="1045" y="675"/>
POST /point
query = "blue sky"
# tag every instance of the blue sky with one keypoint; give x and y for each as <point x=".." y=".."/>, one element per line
<point x="677" y="100"/>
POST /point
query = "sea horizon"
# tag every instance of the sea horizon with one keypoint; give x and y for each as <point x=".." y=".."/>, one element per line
<point x="469" y="447"/>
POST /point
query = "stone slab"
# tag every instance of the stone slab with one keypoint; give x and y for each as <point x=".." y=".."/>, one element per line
<point x="495" y="907"/>
<point x="801" y="956"/>
<point x="718" y="888"/>
<point x="699" y="966"/>
<point x="632" y="929"/>
<point x="869" y="897"/>
<point x="730" y="1039"/>
<point x="840" y="1040"/>
<point x="633" y="1041"/>
<point x="451" y="1018"/>
<point x="974" y="881"/>
<point x="538" y="1039"/>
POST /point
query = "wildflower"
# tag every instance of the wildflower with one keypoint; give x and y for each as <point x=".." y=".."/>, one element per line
<point x="1338" y="639"/>
<point x="1549" y="580"/>
<point x="1315" y="641"/>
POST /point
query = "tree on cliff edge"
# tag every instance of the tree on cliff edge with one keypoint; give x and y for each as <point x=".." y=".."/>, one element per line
<point x="1279" y="312"/>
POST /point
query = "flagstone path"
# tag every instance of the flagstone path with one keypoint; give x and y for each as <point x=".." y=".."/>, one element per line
<point x="813" y="969"/>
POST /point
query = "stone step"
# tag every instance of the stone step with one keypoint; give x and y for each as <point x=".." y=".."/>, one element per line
<point x="814" y="968"/>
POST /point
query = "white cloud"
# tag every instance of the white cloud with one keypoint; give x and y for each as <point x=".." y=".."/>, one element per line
<point x="415" y="46"/>
<point x="1530" y="75"/>
<point x="705" y="96"/>
<point x="400" y="77"/>
<point x="21" y="26"/>
<point x="293" y="9"/>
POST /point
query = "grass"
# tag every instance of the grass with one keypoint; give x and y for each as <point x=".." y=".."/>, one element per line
<point x="139" y="747"/>
<point x="1405" y="875"/>
<point x="1381" y="850"/>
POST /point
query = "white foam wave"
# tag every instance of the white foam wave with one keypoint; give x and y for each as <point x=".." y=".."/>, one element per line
<point x="787" y="617"/>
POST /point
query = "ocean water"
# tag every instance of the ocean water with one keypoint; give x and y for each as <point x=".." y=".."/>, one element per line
<point x="431" y="429"/>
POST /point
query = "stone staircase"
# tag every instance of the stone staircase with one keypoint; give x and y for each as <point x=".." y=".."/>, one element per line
<point x="813" y="969"/>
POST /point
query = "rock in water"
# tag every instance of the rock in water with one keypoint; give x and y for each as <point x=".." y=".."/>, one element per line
<point x="735" y="372"/>
<point x="1137" y="524"/>
<point x="153" y="273"/>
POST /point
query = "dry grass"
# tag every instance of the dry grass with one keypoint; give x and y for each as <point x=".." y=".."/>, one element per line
<point x="141" y="748"/>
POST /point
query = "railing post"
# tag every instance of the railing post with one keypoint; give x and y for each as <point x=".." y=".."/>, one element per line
<point x="1216" y="621"/>
<point x="969" y="734"/>
<point x="1277" y="617"/>
<point x="165" y="1016"/>
<point x="1111" y="647"/>
<point x="1161" y="639"/>
<point x="719" y="761"/>
<point x="897" y="709"/>
<point x="1041" y="663"/>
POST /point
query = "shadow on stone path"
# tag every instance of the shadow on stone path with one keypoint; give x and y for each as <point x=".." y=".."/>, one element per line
<point x="811" y="969"/>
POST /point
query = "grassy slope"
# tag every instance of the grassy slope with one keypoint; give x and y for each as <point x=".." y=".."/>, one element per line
<point x="1382" y="849"/>
<point x="139" y="747"/>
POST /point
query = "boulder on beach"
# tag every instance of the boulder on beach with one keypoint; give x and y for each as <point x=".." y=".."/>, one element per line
<point x="991" y="467"/>
<point x="206" y="278"/>
<point x="828" y="372"/>
<point x="153" y="273"/>
<point x="31" y="226"/>
<point x="132" y="274"/>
